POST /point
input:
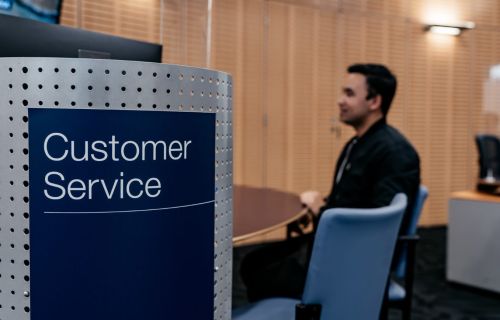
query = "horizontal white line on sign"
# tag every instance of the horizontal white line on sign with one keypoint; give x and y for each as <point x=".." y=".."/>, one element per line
<point x="137" y="210"/>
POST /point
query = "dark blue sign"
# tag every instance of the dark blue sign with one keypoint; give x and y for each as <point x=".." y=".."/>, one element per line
<point x="121" y="214"/>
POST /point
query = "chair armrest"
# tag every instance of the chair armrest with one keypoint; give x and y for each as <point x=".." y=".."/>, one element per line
<point x="307" y="311"/>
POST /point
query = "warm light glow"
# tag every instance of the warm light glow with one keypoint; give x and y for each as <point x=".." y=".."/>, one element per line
<point x="495" y="72"/>
<point x="435" y="14"/>
<point x="444" y="20"/>
<point x="451" y="31"/>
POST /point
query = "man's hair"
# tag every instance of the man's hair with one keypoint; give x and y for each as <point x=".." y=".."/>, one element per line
<point x="379" y="80"/>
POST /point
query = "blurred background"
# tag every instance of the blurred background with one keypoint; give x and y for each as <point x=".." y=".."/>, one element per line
<point x="288" y="57"/>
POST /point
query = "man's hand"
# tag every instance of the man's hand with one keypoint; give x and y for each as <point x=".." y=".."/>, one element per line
<point x="313" y="200"/>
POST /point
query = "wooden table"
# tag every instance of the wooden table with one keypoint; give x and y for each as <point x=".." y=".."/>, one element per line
<point x="473" y="241"/>
<point x="261" y="214"/>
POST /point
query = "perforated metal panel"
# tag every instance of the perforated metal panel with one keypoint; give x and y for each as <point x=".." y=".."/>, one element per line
<point x="102" y="84"/>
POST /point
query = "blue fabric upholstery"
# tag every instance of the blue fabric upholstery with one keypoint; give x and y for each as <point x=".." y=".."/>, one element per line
<point x="349" y="266"/>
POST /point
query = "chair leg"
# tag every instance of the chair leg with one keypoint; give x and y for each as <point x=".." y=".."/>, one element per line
<point x="406" y="308"/>
<point x="407" y="313"/>
<point x="410" y="267"/>
<point x="384" y="309"/>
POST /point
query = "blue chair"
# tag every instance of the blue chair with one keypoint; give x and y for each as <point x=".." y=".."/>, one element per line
<point x="400" y="296"/>
<point x="349" y="267"/>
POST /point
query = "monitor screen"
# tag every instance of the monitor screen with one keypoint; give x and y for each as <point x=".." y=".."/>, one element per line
<point x="27" y="38"/>
<point x="40" y="10"/>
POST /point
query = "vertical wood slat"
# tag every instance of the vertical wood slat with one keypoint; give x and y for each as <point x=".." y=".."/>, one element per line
<point x="184" y="35"/>
<point x="237" y="48"/>
<point x="69" y="13"/>
<point x="300" y="110"/>
<point x="300" y="120"/>
<point x="325" y="88"/>
<point x="277" y="61"/>
<point x="135" y="20"/>
<point x="226" y="48"/>
<point x="252" y="93"/>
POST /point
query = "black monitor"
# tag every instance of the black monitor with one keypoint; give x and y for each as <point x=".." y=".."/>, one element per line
<point x="21" y="37"/>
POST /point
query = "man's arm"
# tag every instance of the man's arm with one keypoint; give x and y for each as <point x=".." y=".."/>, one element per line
<point x="312" y="200"/>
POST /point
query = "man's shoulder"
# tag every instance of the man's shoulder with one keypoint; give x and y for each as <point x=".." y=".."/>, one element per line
<point x="393" y="136"/>
<point x="393" y="140"/>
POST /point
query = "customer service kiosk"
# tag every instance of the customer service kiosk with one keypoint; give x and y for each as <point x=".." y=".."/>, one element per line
<point x="116" y="190"/>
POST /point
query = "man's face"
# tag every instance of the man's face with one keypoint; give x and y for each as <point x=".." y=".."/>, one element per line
<point x="353" y="105"/>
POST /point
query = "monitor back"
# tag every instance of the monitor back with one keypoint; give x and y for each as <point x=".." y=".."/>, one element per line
<point x="27" y="38"/>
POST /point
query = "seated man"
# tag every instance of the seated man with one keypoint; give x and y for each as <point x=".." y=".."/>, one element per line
<point x="375" y="165"/>
<point x="378" y="161"/>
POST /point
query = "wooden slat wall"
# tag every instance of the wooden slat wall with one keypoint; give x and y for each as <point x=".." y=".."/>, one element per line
<point x="288" y="59"/>
<point x="300" y="102"/>
<point x="277" y="100"/>
<point x="301" y="106"/>
<point x="69" y="13"/>
<point x="238" y="48"/>
<point x="133" y="19"/>
<point x="326" y="87"/>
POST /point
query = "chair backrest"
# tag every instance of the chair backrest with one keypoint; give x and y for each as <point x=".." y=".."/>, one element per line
<point x="351" y="259"/>
<point x="489" y="155"/>
<point x="400" y="266"/>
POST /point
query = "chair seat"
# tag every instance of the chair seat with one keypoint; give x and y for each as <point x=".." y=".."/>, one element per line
<point x="267" y="309"/>
<point x="396" y="291"/>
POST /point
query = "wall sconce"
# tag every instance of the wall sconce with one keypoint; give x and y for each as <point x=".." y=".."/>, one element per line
<point x="449" y="29"/>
